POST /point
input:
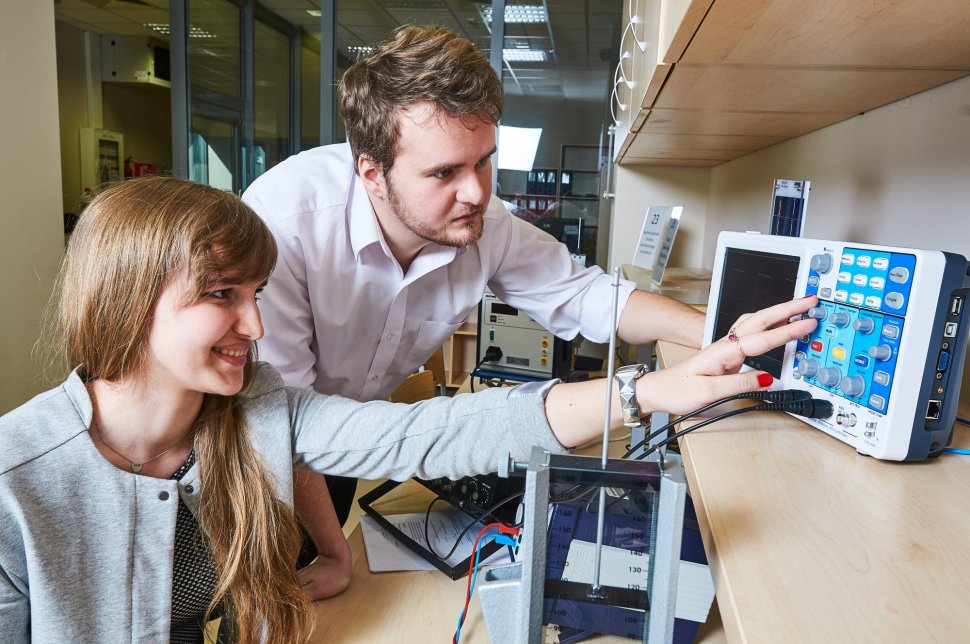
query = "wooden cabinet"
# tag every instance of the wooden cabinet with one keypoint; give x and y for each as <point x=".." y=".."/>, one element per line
<point x="706" y="81"/>
<point x="460" y="352"/>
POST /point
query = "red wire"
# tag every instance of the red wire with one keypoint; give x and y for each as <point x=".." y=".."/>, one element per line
<point x="471" y="569"/>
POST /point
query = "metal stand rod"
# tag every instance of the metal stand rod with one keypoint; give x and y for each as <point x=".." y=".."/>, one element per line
<point x="601" y="517"/>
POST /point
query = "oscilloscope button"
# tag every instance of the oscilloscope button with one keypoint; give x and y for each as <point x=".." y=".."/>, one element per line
<point x="881" y="377"/>
<point x="829" y="376"/>
<point x="891" y="331"/>
<point x="807" y="368"/>
<point x="818" y="312"/>
<point x="839" y="319"/>
<point x="853" y="385"/>
<point x="880" y="263"/>
<point x="863" y="325"/>
<point x="900" y="275"/>
<point x="841" y="296"/>
<point x="821" y="263"/>
<point x="894" y="300"/>
<point x="881" y="352"/>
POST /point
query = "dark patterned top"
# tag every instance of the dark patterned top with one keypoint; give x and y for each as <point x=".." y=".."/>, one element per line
<point x="194" y="579"/>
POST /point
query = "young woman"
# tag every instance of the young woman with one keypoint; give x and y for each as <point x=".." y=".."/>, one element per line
<point x="151" y="491"/>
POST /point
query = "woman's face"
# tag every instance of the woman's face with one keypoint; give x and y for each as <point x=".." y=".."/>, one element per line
<point x="203" y="346"/>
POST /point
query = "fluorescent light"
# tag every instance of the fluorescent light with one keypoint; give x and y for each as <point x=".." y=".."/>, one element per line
<point x="360" y="50"/>
<point x="530" y="55"/>
<point x="194" y="32"/>
<point x="519" y="13"/>
<point x="517" y="147"/>
<point x="314" y="12"/>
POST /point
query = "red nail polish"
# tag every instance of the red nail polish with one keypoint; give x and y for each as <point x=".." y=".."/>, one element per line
<point x="765" y="379"/>
<point x="808" y="296"/>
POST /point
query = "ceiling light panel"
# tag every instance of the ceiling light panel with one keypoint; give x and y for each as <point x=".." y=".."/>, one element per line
<point x="519" y="13"/>
<point x="524" y="55"/>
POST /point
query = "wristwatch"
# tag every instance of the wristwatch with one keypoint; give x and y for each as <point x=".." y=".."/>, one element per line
<point x="626" y="383"/>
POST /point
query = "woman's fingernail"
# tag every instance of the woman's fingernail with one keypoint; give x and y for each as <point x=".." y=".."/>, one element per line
<point x="808" y="296"/>
<point x="765" y="380"/>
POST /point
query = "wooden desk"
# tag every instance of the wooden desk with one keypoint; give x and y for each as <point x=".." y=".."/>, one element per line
<point x="809" y="541"/>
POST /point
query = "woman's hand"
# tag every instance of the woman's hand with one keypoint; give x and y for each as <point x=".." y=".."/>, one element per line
<point x="575" y="410"/>
<point x="713" y="373"/>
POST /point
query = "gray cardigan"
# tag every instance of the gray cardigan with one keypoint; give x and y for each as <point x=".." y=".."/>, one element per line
<point x="86" y="549"/>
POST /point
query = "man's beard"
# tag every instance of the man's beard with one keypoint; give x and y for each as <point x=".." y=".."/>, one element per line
<point x="469" y="234"/>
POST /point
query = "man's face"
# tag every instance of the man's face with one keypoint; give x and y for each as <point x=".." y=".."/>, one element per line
<point x="441" y="179"/>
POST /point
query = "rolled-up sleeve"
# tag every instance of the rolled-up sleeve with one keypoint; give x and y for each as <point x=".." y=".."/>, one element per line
<point x="537" y="275"/>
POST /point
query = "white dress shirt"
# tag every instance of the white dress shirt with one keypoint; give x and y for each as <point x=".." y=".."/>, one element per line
<point x="341" y="316"/>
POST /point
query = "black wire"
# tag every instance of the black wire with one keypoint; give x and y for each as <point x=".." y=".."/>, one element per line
<point x="700" y="410"/>
<point x="486" y="513"/>
<point x="727" y="414"/>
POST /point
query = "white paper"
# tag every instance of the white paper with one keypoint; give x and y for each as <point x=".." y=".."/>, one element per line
<point x="621" y="568"/>
<point x="664" y="253"/>
<point x="654" y="223"/>
<point x="385" y="553"/>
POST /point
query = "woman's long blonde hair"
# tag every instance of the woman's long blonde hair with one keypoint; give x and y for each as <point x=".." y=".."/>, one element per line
<point x="128" y="242"/>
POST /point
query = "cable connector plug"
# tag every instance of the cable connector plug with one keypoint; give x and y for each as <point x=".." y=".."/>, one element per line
<point x="810" y="408"/>
<point x="492" y="354"/>
<point x="780" y="396"/>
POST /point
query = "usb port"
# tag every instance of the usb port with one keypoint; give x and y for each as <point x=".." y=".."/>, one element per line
<point x="950" y="330"/>
<point x="933" y="410"/>
<point x="956" y="305"/>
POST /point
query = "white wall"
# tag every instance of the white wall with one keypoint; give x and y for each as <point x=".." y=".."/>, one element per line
<point x="31" y="240"/>
<point x="639" y="187"/>
<point x="899" y="175"/>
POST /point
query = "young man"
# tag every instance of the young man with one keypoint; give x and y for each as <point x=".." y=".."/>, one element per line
<point x="387" y="243"/>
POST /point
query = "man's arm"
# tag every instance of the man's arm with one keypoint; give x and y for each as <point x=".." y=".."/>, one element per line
<point x="285" y="306"/>
<point x="649" y="316"/>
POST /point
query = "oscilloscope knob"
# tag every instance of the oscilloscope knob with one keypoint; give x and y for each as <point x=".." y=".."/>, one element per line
<point x="839" y="319"/>
<point x="829" y="376"/>
<point x="821" y="263"/>
<point x="864" y="326"/>
<point x="818" y="312"/>
<point x="881" y="352"/>
<point x="807" y="368"/>
<point x="853" y="385"/>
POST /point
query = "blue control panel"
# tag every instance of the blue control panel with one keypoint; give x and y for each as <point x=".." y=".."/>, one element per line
<point x="852" y="353"/>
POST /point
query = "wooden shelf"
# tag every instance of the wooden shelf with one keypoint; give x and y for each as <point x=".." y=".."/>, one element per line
<point x="733" y="76"/>
<point x="460" y="352"/>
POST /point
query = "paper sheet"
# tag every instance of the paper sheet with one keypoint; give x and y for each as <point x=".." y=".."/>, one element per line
<point x="385" y="553"/>
<point x="621" y="568"/>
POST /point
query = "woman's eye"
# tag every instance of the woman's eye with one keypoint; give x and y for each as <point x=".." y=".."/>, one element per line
<point x="221" y="294"/>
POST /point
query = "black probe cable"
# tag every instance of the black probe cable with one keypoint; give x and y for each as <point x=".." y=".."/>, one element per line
<point x="810" y="408"/>
<point x="781" y="396"/>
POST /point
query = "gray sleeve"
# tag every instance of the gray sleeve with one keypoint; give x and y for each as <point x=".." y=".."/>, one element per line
<point x="454" y="437"/>
<point x="14" y="612"/>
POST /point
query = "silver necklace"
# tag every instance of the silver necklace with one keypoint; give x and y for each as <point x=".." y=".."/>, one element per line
<point x="135" y="467"/>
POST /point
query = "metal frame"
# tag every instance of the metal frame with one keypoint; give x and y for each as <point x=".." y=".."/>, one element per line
<point x="512" y="596"/>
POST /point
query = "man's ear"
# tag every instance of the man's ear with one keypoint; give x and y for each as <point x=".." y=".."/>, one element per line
<point x="372" y="174"/>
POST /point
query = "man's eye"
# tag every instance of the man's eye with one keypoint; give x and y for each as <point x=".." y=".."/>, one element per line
<point x="443" y="174"/>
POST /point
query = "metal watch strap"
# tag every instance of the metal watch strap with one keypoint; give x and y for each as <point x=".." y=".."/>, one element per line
<point x="626" y="383"/>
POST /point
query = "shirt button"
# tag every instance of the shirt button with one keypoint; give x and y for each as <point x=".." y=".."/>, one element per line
<point x="189" y="489"/>
<point x="389" y="336"/>
<point x="163" y="496"/>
